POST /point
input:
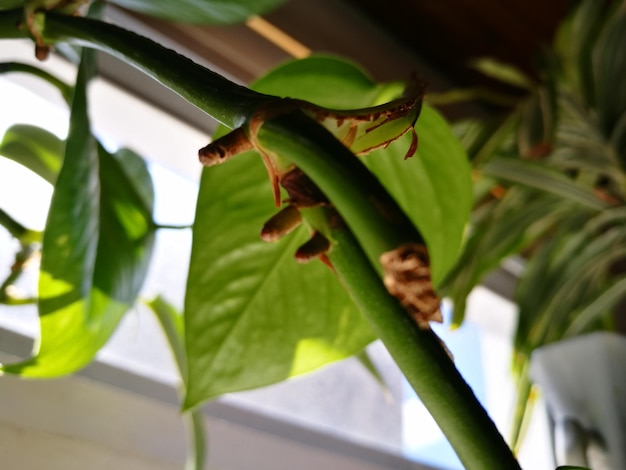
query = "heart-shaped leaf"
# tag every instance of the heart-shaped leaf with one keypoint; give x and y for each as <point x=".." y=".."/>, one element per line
<point x="433" y="187"/>
<point x="253" y="316"/>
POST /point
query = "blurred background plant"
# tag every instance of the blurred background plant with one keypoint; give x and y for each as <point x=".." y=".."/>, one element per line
<point x="549" y="189"/>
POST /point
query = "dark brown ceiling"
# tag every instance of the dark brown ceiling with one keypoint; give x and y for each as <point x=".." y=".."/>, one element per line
<point x="435" y="38"/>
<point x="449" y="33"/>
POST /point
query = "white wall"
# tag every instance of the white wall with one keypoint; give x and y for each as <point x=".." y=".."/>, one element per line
<point x="82" y="423"/>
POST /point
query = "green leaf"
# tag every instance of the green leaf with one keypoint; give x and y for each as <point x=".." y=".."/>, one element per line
<point x="602" y="305"/>
<point x="433" y="188"/>
<point x="543" y="178"/>
<point x="535" y="133"/>
<point x="172" y="323"/>
<point x="575" y="42"/>
<point x="509" y="225"/>
<point x="503" y="72"/>
<point x="568" y="274"/>
<point x="492" y="139"/>
<point x="95" y="253"/>
<point x="325" y="81"/>
<point x="253" y="316"/>
<point x="37" y="149"/>
<point x="136" y="174"/>
<point x="201" y="11"/>
<point x="366" y="361"/>
<point x="610" y="67"/>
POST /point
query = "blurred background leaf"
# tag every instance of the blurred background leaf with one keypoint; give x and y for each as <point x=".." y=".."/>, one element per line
<point x="97" y="242"/>
<point x="200" y="11"/>
<point x="550" y="189"/>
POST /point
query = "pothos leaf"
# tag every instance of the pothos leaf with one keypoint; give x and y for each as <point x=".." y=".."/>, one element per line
<point x="96" y="248"/>
<point x="433" y="188"/>
<point x="253" y="316"/>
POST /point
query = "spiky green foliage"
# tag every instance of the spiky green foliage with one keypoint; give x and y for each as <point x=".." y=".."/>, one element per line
<point x="550" y="187"/>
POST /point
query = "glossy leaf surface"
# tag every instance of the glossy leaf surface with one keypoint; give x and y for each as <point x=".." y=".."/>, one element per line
<point x="433" y="187"/>
<point x="201" y="11"/>
<point x="254" y="316"/>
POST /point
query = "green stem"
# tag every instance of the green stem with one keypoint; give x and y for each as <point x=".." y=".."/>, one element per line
<point x="172" y="324"/>
<point x="172" y="227"/>
<point x="372" y="214"/>
<point x="65" y="89"/>
<point x="6" y="299"/>
<point x="16" y="229"/>
<point x="196" y="454"/>
<point x="424" y="362"/>
<point x="228" y="103"/>
<point x="21" y="259"/>
<point x="24" y="235"/>
<point x="380" y="225"/>
<point x="225" y="101"/>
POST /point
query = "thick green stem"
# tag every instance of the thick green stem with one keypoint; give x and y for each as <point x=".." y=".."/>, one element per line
<point x="380" y="225"/>
<point x="369" y="210"/>
<point x="225" y="101"/>
<point x="424" y="362"/>
<point x="372" y="214"/>
<point x="18" y="231"/>
<point x="228" y="103"/>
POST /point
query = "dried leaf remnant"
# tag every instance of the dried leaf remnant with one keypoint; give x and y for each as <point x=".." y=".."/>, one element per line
<point x="407" y="277"/>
